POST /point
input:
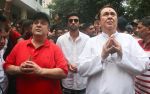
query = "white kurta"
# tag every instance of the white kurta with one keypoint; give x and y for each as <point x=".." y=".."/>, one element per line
<point x="114" y="75"/>
<point x="72" y="50"/>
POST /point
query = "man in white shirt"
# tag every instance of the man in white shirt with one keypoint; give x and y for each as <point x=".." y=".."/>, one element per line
<point x="72" y="44"/>
<point x="3" y="44"/>
<point x="111" y="59"/>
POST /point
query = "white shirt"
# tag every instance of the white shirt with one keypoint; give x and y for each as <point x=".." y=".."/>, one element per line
<point x="114" y="75"/>
<point x="72" y="50"/>
<point x="3" y="77"/>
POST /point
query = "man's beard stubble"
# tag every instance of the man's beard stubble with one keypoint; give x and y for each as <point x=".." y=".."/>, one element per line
<point x="73" y="28"/>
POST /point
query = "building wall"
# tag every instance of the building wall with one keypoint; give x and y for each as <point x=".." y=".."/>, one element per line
<point x="23" y="9"/>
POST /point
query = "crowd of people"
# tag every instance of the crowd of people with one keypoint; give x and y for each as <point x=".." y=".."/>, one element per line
<point x="108" y="56"/>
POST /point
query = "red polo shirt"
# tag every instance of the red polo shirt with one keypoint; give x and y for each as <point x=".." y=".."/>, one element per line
<point x="47" y="56"/>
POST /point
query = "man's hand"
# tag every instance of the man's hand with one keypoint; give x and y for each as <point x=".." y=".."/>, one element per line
<point x="111" y="46"/>
<point x="117" y="47"/>
<point x="30" y="67"/>
<point x="72" y="68"/>
<point x="107" y="49"/>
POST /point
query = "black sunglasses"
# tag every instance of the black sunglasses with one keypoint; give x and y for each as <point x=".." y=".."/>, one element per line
<point x="75" y="20"/>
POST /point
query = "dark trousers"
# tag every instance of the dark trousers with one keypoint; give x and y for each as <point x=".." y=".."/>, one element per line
<point x="70" y="91"/>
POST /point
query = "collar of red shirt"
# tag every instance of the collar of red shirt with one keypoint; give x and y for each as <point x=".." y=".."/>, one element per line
<point x="46" y="43"/>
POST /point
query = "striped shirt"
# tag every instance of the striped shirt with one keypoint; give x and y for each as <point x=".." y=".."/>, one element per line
<point x="142" y="82"/>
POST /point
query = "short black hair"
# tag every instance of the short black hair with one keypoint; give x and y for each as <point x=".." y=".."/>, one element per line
<point x="3" y="18"/>
<point x="86" y="25"/>
<point x="122" y="23"/>
<point x="146" y="21"/>
<point x="40" y="15"/>
<point x="105" y="6"/>
<point x="72" y="14"/>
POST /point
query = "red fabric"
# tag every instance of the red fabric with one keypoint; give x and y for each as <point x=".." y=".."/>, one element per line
<point x="46" y="56"/>
<point x="147" y="47"/>
<point x="14" y="35"/>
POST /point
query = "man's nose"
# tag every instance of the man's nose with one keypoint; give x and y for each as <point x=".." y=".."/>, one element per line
<point x="137" y="30"/>
<point x="109" y="16"/>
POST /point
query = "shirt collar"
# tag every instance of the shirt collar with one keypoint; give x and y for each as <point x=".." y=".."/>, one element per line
<point x="78" y="38"/>
<point x="106" y="35"/>
<point x="46" y="43"/>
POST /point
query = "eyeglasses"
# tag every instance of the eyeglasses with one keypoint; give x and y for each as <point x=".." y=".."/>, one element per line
<point x="75" y="20"/>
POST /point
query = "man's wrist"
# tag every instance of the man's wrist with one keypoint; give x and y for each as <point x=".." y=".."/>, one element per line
<point x="18" y="70"/>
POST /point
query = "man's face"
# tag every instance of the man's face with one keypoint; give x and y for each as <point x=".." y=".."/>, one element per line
<point x="3" y="38"/>
<point x="59" y="33"/>
<point x="91" y="31"/>
<point x="40" y="27"/>
<point x="108" y="19"/>
<point x="143" y="30"/>
<point x="73" y="23"/>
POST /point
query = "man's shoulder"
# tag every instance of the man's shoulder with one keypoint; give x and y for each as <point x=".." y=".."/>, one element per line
<point x="125" y="35"/>
<point x="66" y="35"/>
<point x="23" y="42"/>
<point x="84" y="36"/>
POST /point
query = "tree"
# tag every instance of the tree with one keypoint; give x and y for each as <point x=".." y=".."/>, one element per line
<point x="138" y="9"/>
<point x="87" y="9"/>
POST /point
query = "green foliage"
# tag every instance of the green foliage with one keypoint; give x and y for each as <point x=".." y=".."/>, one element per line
<point x="137" y="9"/>
<point x="87" y="9"/>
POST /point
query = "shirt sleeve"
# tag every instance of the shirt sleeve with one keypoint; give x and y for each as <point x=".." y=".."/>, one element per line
<point x="11" y="58"/>
<point x="89" y="62"/>
<point x="60" y="60"/>
<point x="134" y="60"/>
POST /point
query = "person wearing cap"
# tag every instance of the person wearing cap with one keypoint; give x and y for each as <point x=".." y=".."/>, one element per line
<point x="37" y="63"/>
<point x="111" y="60"/>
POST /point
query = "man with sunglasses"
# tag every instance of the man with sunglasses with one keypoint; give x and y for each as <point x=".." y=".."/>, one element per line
<point x="72" y="44"/>
<point x="112" y="59"/>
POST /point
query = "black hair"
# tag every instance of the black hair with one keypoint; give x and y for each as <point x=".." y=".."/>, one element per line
<point x="2" y="28"/>
<point x="26" y="23"/>
<point x="40" y="15"/>
<point x="146" y="21"/>
<point x="86" y="25"/>
<point x="72" y="14"/>
<point x="3" y="18"/>
<point x="122" y="22"/>
<point x="105" y="6"/>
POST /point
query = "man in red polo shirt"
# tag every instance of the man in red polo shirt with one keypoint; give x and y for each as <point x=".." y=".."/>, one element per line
<point x="37" y="63"/>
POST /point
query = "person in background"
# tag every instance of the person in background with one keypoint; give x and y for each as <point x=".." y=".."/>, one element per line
<point x="89" y="29"/>
<point x="72" y="44"/>
<point x="111" y="60"/>
<point x="26" y="30"/>
<point x="142" y="85"/>
<point x="135" y="34"/>
<point x="11" y="41"/>
<point x="97" y="26"/>
<point x="13" y="33"/>
<point x="37" y="63"/>
<point x="3" y="42"/>
<point x="122" y="23"/>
